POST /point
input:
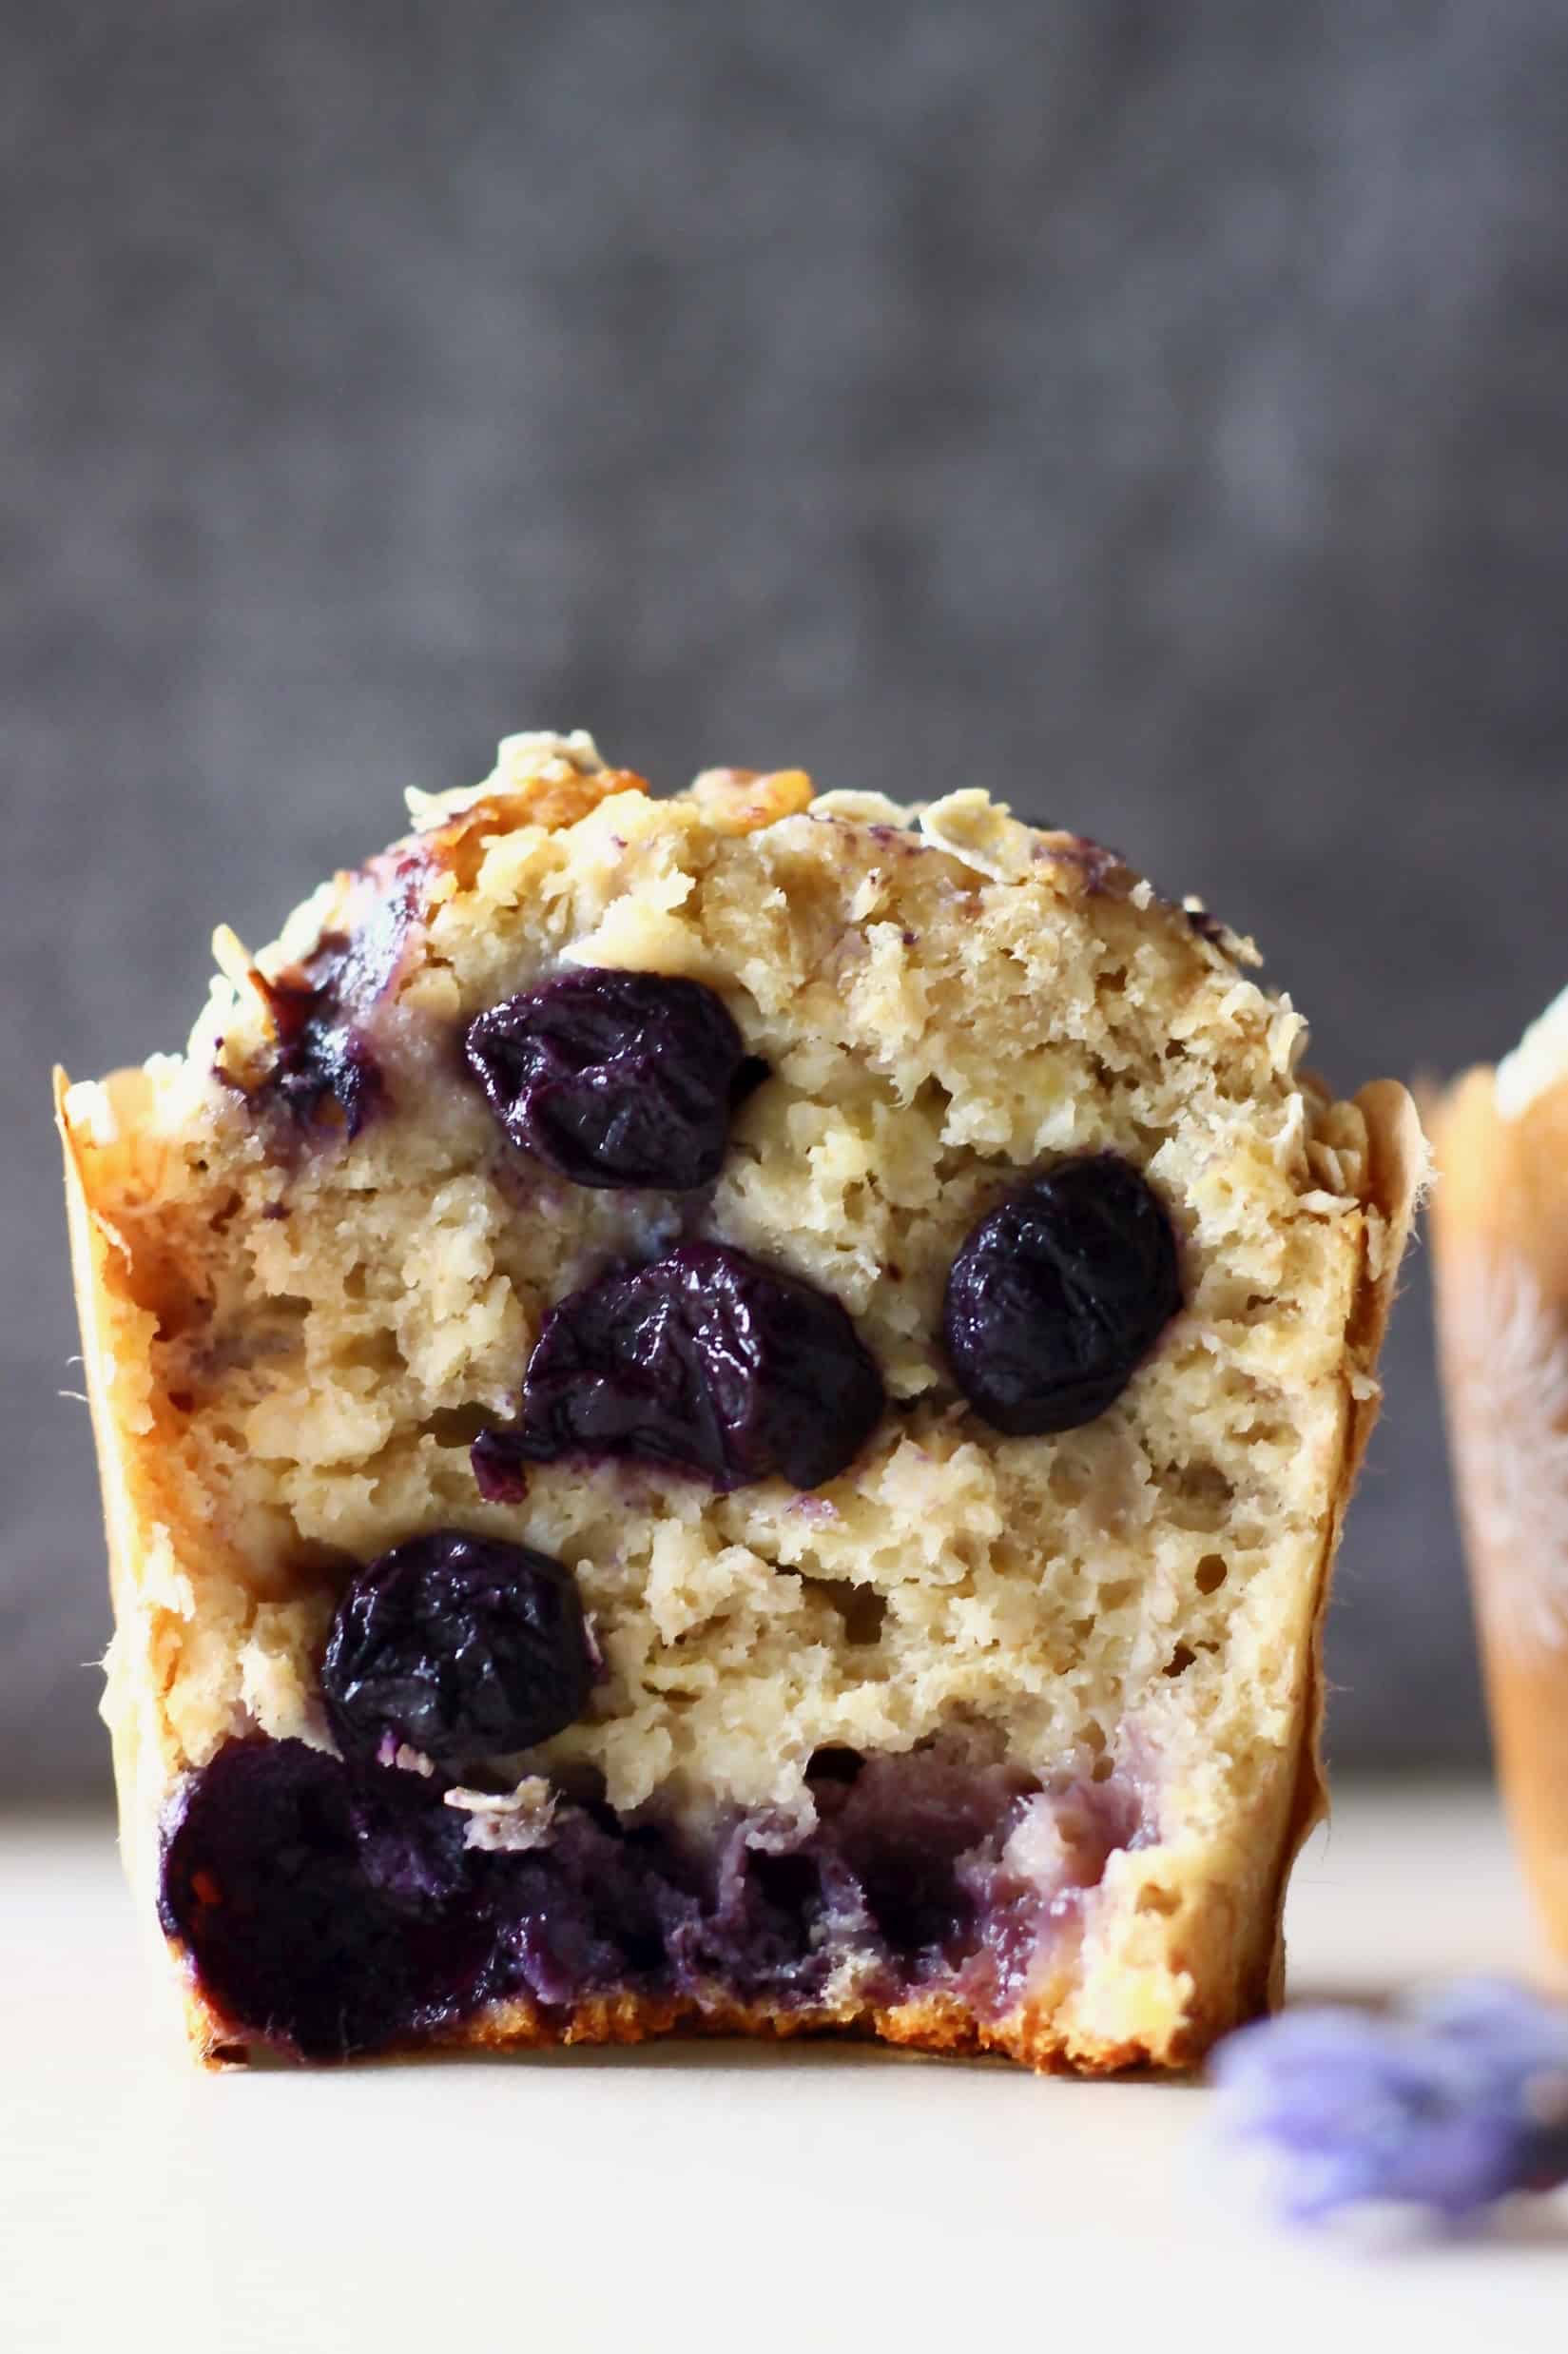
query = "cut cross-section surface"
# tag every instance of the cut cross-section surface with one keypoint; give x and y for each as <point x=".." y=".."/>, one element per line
<point x="573" y="1580"/>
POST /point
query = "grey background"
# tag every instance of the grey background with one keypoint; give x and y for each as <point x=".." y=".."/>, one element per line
<point x="1154" y="413"/>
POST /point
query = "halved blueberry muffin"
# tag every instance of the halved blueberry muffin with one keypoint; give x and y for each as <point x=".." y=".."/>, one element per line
<point x="726" y="1413"/>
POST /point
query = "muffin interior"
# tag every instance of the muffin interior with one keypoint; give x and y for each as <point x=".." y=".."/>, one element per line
<point x="1004" y="1724"/>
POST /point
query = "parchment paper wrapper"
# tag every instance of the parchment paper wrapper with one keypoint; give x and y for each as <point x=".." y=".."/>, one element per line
<point x="1499" y="1225"/>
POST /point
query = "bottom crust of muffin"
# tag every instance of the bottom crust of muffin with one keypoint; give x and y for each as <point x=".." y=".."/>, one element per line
<point x="935" y="2025"/>
<point x="936" y="1899"/>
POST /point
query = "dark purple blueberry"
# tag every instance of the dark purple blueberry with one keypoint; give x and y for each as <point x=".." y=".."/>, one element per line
<point x="615" y="1078"/>
<point x="705" y="1360"/>
<point x="1058" y="1294"/>
<point x="460" y="1647"/>
<point x="410" y="1842"/>
<point x="590" y="1914"/>
<point x="902" y="1827"/>
<point x="323" y="1057"/>
<point x="263" y="1884"/>
<point x="752" y="1935"/>
<point x="333" y="1908"/>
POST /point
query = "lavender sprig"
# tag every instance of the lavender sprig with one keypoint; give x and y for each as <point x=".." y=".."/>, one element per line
<point x="1458" y="2102"/>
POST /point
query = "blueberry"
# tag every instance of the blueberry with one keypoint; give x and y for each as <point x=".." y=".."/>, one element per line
<point x="752" y="1933"/>
<point x="1058" y="1294"/>
<point x="615" y="1078"/>
<point x="321" y="1056"/>
<point x="588" y="1913"/>
<point x="462" y="1647"/>
<point x="705" y="1360"/>
<point x="410" y="1842"/>
<point x="902" y="1827"/>
<point x="334" y="1907"/>
<point x="262" y="1883"/>
<point x="324" y="1073"/>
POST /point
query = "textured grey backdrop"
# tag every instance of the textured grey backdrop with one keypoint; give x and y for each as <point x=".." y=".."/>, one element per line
<point x="1157" y="413"/>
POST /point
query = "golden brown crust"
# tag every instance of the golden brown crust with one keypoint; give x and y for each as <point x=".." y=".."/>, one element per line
<point x="1399" y="1172"/>
<point x="90" y="1248"/>
<point x="1219" y="1966"/>
<point x="935" y="2023"/>
<point x="551" y="801"/>
<point x="149" y="1524"/>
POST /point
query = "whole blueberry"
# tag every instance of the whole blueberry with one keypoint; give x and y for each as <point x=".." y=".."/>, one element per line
<point x="460" y="1647"/>
<point x="1058" y="1294"/>
<point x="615" y="1078"/>
<point x="705" y="1359"/>
<point x="263" y="1882"/>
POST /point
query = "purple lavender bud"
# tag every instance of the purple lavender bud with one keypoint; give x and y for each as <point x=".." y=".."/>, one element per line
<point x="1461" y="2101"/>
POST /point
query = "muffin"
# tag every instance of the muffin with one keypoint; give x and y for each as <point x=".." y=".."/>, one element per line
<point x="1501" y="1238"/>
<point x="726" y="1413"/>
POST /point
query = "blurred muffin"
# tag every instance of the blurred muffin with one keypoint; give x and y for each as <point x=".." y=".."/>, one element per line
<point x="1501" y="1238"/>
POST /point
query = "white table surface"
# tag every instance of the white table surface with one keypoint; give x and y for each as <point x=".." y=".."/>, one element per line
<point x="698" y="2196"/>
